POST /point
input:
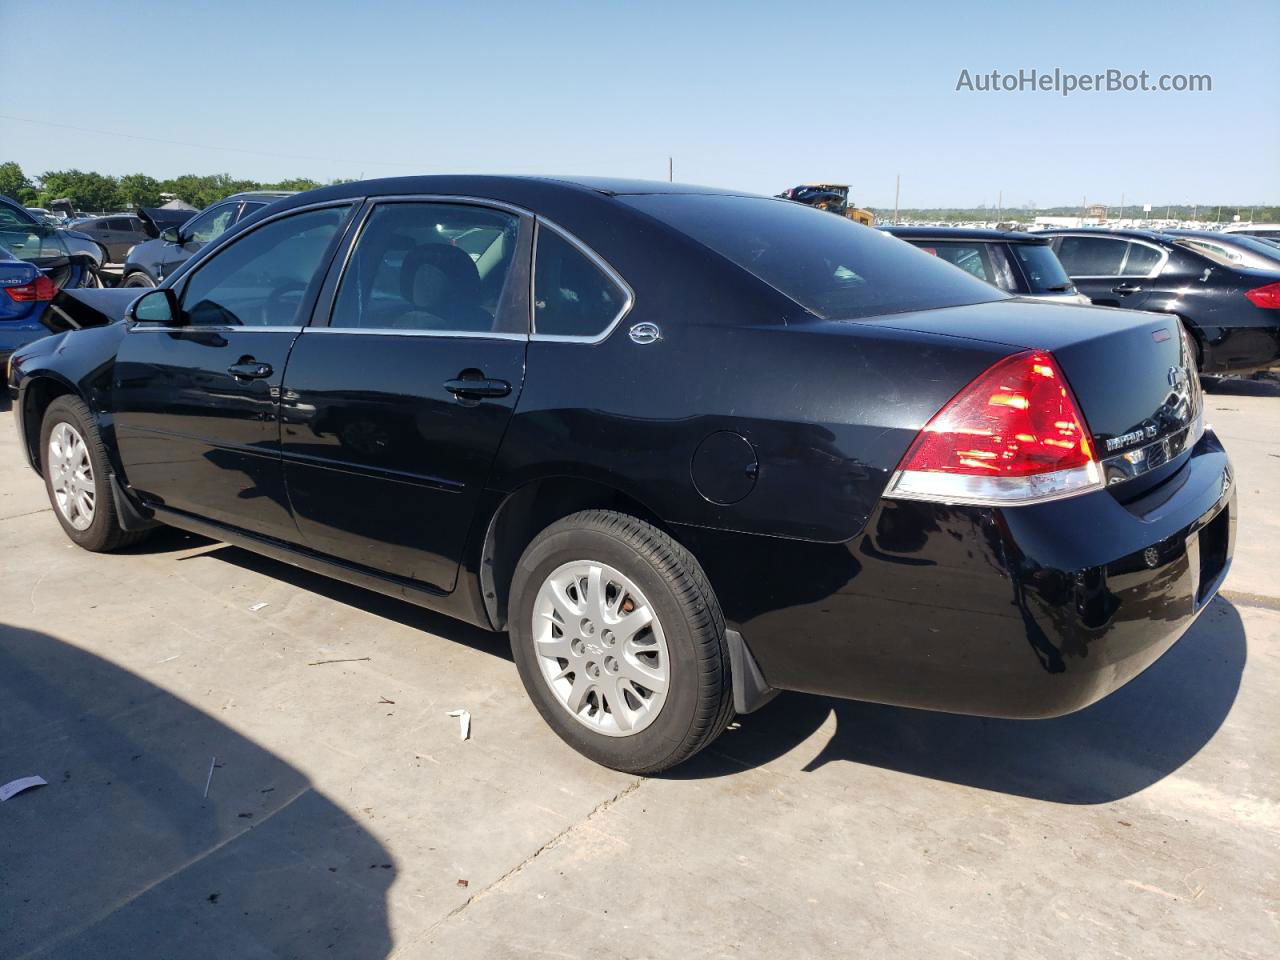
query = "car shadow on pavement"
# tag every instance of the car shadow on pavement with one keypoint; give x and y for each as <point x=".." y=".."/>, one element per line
<point x="378" y="604"/>
<point x="123" y="854"/>
<point x="1241" y="387"/>
<point x="1129" y="740"/>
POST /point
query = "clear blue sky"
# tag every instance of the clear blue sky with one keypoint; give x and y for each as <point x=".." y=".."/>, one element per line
<point x="750" y="95"/>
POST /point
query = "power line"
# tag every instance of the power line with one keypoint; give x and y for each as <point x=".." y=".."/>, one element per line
<point x="205" y="146"/>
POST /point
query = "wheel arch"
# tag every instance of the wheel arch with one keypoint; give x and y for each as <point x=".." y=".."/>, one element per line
<point x="526" y="512"/>
<point x="37" y="393"/>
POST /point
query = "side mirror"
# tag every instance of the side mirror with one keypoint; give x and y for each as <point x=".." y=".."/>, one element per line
<point x="171" y="235"/>
<point x="158" y="306"/>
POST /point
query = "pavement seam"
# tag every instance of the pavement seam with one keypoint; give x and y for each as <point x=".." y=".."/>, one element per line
<point x="555" y="841"/>
<point x="30" y="513"/>
<point x="123" y="902"/>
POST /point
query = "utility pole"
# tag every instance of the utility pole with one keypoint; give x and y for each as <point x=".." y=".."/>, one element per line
<point x="1122" y="206"/>
<point x="897" y="190"/>
<point x="999" y="205"/>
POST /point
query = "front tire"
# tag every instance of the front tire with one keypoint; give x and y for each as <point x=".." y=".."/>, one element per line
<point x="74" y="464"/>
<point x="620" y="642"/>
<point x="137" y="278"/>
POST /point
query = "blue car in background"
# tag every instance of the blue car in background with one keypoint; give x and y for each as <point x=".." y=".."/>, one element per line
<point x="25" y="292"/>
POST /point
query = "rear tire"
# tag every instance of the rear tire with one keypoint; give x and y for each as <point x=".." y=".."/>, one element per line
<point x="74" y="464"/>
<point x="667" y="666"/>
<point x="137" y="278"/>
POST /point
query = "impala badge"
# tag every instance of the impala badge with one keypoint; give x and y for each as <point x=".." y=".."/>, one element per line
<point x="645" y="333"/>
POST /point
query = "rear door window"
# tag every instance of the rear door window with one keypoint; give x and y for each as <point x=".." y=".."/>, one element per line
<point x="121" y="224"/>
<point x="831" y="266"/>
<point x="1041" y="268"/>
<point x="1140" y="260"/>
<point x="1092" y="256"/>
<point x="409" y="271"/>
<point x="575" y="295"/>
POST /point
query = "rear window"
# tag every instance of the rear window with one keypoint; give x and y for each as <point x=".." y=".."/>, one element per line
<point x="828" y="264"/>
<point x="1041" y="267"/>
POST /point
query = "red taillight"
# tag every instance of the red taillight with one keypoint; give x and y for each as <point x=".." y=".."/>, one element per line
<point x="1268" y="297"/>
<point x="1013" y="435"/>
<point x="41" y="288"/>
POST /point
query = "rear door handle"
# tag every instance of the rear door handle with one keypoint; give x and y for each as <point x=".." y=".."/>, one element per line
<point x="249" y="370"/>
<point x="475" y="389"/>
<point x="1125" y="288"/>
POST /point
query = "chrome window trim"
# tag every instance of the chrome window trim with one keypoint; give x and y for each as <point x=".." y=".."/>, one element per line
<point x="371" y="204"/>
<point x="599" y="261"/>
<point x="394" y="332"/>
<point x="182" y="275"/>
<point x="144" y="327"/>
<point x="1154" y="272"/>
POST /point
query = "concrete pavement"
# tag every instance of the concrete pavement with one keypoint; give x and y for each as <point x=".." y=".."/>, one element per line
<point x="344" y="817"/>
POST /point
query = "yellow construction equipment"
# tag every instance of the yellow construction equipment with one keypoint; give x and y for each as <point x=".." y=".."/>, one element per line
<point x="832" y="197"/>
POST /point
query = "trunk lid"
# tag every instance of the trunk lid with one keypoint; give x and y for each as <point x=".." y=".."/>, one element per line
<point x="1130" y="371"/>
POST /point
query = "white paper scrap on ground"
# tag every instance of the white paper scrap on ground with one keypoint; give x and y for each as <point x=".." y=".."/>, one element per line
<point x="258" y="606"/>
<point x="464" y="722"/>
<point x="14" y="787"/>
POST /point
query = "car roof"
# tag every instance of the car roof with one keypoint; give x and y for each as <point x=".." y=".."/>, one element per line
<point x="1127" y="233"/>
<point x="1210" y="235"/>
<point x="965" y="233"/>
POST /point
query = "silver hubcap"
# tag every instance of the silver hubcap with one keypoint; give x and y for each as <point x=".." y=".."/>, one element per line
<point x="71" y="475"/>
<point x="601" y="648"/>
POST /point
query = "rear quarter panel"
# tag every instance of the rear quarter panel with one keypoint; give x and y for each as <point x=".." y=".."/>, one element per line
<point x="829" y="408"/>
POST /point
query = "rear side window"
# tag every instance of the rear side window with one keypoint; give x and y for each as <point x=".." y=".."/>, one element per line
<point x="122" y="225"/>
<point x="1041" y="267"/>
<point x="831" y="266"/>
<point x="573" y="294"/>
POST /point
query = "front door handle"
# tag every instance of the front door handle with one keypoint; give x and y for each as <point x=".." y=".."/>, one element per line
<point x="475" y="389"/>
<point x="249" y="369"/>
<point x="1125" y="288"/>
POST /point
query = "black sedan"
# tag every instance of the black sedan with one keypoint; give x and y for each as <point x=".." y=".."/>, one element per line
<point x="688" y="447"/>
<point x="1023" y="264"/>
<point x="1231" y="310"/>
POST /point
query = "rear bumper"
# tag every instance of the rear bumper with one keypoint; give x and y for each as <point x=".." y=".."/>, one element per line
<point x="1026" y="612"/>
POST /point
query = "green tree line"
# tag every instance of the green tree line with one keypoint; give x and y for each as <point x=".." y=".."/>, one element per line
<point x="88" y="190"/>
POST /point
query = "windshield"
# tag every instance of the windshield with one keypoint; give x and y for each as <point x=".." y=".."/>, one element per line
<point x="29" y="240"/>
<point x="1042" y="268"/>
<point x="831" y="266"/>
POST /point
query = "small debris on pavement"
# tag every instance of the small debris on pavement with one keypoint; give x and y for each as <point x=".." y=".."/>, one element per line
<point x="347" y="660"/>
<point x="464" y="722"/>
<point x="258" y="606"/>
<point x="15" y="787"/>
<point x="167" y="659"/>
<point x="464" y="883"/>
<point x="385" y="700"/>
<point x="213" y="897"/>
<point x="209" y="779"/>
